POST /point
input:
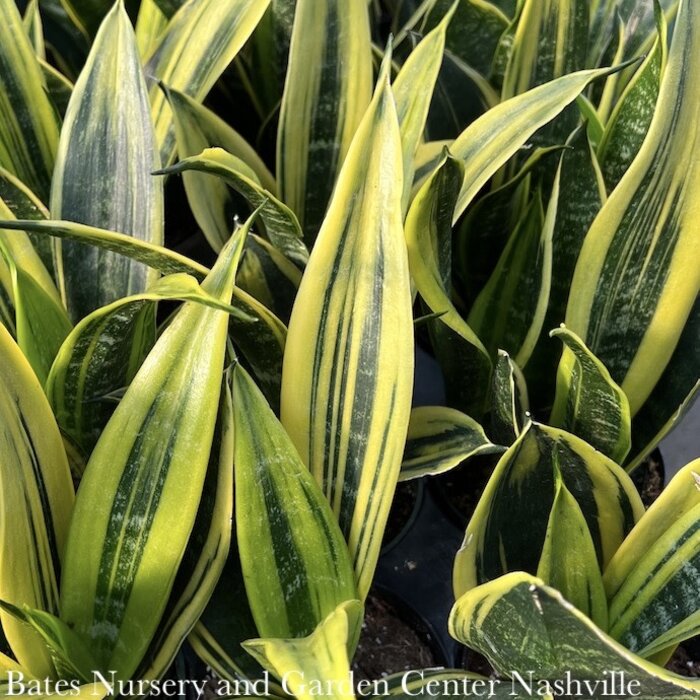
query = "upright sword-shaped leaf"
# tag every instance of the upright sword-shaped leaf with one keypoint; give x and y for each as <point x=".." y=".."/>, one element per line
<point x="328" y="88"/>
<point x="637" y="277"/>
<point x="142" y="486"/>
<point x="103" y="171"/>
<point x="348" y="366"/>
<point x="28" y="124"/>
<point x="36" y="499"/>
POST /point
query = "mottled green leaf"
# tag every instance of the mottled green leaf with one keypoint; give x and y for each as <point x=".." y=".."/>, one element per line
<point x="143" y="484"/>
<point x="508" y="529"/>
<point x="103" y="171"/>
<point x="509" y="400"/>
<point x="589" y="403"/>
<point x="496" y="617"/>
<point x="440" y="439"/>
<point x="635" y="282"/>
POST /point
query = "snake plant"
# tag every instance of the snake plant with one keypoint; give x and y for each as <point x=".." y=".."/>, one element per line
<point x="206" y="447"/>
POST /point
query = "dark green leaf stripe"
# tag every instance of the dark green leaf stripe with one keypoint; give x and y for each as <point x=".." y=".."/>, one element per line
<point x="474" y="31"/>
<point x="103" y="173"/>
<point x="201" y="39"/>
<point x="269" y="276"/>
<point x="509" y="400"/>
<point x="629" y="121"/>
<point x="328" y="89"/>
<point x="295" y="562"/>
<point x="28" y="124"/>
<point x="440" y="439"/>
<point x="508" y="528"/>
<point x="206" y="551"/>
<point x="509" y="312"/>
<point x="581" y="195"/>
<point x="589" y="403"/>
<point x="142" y="486"/>
<point x="635" y="285"/>
<point x="37" y="497"/>
<point x="495" y="618"/>
<point x="460" y="352"/>
<point x="24" y="204"/>
<point x="348" y="366"/>
<point x="280" y="222"/>
<point x="651" y="579"/>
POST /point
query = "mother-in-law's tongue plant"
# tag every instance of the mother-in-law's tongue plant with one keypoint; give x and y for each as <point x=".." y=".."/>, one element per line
<point x="593" y="226"/>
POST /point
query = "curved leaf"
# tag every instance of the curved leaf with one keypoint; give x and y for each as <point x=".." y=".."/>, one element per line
<point x="509" y="312"/>
<point x="37" y="500"/>
<point x="635" y="285"/>
<point x="629" y="122"/>
<point x="201" y="39"/>
<point x="589" y="403"/>
<point x="509" y="400"/>
<point x="651" y="577"/>
<point x="461" y="354"/>
<point x="322" y="657"/>
<point x="440" y="439"/>
<point x="143" y="484"/>
<point x="474" y="31"/>
<point x="495" y="618"/>
<point x="493" y="139"/>
<point x="413" y="92"/>
<point x="281" y="225"/>
<point x="508" y="529"/>
<point x="569" y="562"/>
<point x="28" y="124"/>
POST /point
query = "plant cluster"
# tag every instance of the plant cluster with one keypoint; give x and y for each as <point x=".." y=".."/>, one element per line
<point x="205" y="445"/>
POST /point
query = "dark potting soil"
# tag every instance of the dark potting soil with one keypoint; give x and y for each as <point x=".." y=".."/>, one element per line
<point x="649" y="478"/>
<point x="389" y="643"/>
<point x="686" y="660"/>
<point x="402" y="508"/>
<point x="460" y="489"/>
